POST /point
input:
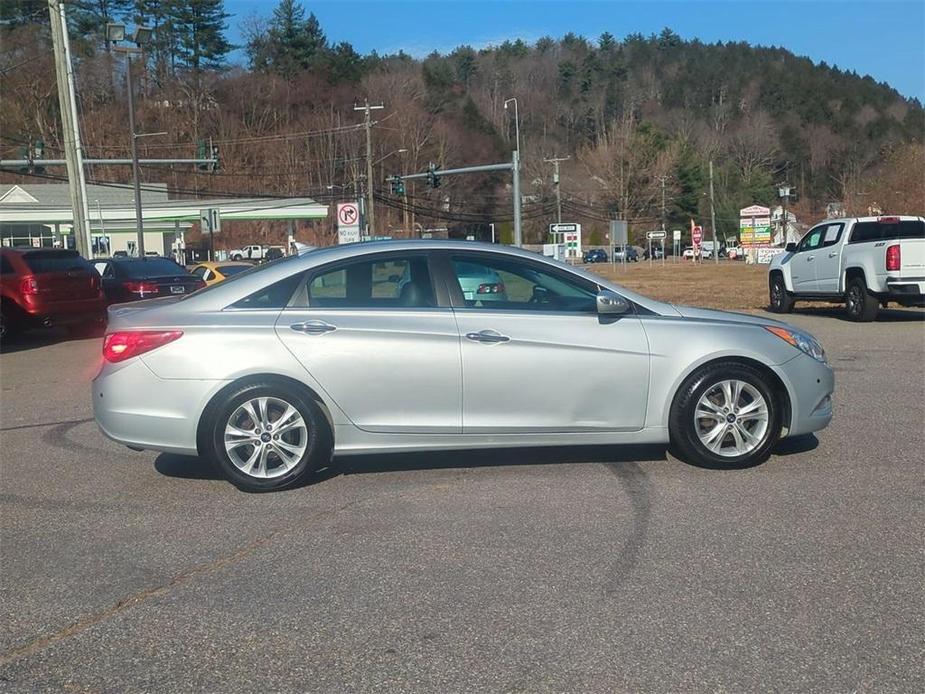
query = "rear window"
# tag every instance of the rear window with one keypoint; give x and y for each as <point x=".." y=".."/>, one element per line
<point x="151" y="267"/>
<point x="883" y="231"/>
<point x="229" y="270"/>
<point x="55" y="261"/>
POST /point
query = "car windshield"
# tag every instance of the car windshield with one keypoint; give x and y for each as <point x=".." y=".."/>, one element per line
<point x="149" y="267"/>
<point x="55" y="261"/>
<point x="229" y="270"/>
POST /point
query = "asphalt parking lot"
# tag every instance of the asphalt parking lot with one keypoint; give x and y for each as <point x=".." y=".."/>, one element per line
<point x="529" y="570"/>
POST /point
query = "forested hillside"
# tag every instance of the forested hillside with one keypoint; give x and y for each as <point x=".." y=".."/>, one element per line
<point x="635" y="115"/>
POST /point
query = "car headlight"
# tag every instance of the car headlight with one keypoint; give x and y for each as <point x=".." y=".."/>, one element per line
<point x="800" y="340"/>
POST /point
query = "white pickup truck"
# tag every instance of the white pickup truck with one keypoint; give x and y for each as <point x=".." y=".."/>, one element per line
<point x="254" y="252"/>
<point x="863" y="262"/>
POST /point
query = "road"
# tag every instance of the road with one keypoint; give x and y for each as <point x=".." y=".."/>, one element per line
<point x="530" y="570"/>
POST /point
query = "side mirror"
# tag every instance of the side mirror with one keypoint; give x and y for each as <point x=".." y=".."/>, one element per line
<point x="611" y="304"/>
<point x="791" y="248"/>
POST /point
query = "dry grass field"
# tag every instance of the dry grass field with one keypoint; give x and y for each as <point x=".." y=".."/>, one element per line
<point x="727" y="285"/>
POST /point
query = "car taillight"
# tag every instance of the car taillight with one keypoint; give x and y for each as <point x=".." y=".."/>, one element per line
<point x="491" y="288"/>
<point x="141" y="288"/>
<point x="198" y="284"/>
<point x="29" y="285"/>
<point x="888" y="220"/>
<point x="893" y="258"/>
<point x="120" y="346"/>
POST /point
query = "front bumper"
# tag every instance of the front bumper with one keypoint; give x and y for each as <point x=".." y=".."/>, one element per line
<point x="811" y="386"/>
<point x="134" y="407"/>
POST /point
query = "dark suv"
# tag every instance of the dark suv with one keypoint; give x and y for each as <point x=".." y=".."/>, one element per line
<point x="45" y="287"/>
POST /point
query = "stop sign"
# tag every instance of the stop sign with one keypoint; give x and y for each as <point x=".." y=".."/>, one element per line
<point x="697" y="235"/>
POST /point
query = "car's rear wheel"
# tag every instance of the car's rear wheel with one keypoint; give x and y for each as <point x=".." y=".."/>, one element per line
<point x="780" y="299"/>
<point x="268" y="436"/>
<point x="726" y="415"/>
<point x="860" y="305"/>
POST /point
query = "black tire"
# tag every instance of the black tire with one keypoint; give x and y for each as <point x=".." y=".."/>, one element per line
<point x="319" y="444"/>
<point x="860" y="305"/>
<point x="8" y="327"/>
<point x="779" y="299"/>
<point x="237" y="256"/>
<point x="685" y="442"/>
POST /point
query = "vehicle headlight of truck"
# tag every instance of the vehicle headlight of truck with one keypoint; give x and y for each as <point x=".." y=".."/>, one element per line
<point x="802" y="341"/>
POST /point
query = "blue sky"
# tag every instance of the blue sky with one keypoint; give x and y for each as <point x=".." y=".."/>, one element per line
<point x="882" y="38"/>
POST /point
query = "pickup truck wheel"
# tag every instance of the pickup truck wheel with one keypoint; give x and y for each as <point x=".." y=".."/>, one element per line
<point x="860" y="305"/>
<point x="781" y="301"/>
<point x="237" y="256"/>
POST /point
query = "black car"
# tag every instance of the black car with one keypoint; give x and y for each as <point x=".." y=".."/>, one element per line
<point x="131" y="279"/>
<point x="595" y="255"/>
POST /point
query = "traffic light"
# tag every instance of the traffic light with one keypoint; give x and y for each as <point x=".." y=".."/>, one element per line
<point x="38" y="152"/>
<point x="216" y="165"/>
<point x="433" y="180"/>
<point x="398" y="185"/>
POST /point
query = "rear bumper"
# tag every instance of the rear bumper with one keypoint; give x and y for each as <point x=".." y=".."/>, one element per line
<point x="36" y="313"/>
<point x="907" y="292"/>
<point x="134" y="407"/>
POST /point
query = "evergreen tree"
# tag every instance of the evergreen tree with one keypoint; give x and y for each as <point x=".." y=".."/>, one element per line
<point x="293" y="43"/>
<point x="88" y="18"/>
<point x="200" y="30"/>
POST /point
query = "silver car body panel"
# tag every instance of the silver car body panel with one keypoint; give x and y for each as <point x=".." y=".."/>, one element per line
<point x="408" y="379"/>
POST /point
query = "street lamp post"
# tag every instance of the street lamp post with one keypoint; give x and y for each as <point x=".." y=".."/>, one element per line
<point x="116" y="33"/>
<point x="515" y="170"/>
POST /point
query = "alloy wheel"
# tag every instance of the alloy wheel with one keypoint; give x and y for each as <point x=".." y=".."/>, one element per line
<point x="266" y="437"/>
<point x="731" y="418"/>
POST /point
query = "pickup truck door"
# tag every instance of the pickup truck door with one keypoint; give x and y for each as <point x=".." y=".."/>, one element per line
<point x="828" y="258"/>
<point x="803" y="265"/>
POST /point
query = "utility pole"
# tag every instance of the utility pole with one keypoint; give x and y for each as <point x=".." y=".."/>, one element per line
<point x="67" y="104"/>
<point x="515" y="170"/>
<point x="713" y="217"/>
<point x="663" y="179"/>
<point x="136" y="179"/>
<point x="555" y="181"/>
<point x="370" y="185"/>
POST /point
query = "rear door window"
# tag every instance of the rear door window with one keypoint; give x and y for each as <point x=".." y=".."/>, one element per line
<point x="56" y="261"/>
<point x="832" y="234"/>
<point x="394" y="282"/>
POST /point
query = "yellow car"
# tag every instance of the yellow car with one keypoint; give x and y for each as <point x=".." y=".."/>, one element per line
<point x="213" y="272"/>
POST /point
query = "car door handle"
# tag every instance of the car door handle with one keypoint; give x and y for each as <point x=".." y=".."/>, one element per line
<point x="832" y="255"/>
<point x="810" y="258"/>
<point x="487" y="337"/>
<point x="313" y="327"/>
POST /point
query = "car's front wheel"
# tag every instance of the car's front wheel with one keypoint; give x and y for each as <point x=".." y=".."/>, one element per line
<point x="726" y="415"/>
<point x="268" y="436"/>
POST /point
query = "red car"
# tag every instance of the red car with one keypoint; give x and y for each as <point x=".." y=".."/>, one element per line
<point x="44" y="287"/>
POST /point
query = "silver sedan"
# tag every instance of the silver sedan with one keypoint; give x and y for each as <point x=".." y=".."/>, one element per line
<point x="382" y="347"/>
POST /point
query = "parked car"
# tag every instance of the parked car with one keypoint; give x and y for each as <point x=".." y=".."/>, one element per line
<point x="630" y="252"/>
<point x="690" y="252"/>
<point x="595" y="255"/>
<point x="131" y="279"/>
<point x="864" y="262"/>
<point x="211" y="272"/>
<point x="46" y="287"/>
<point x="270" y="372"/>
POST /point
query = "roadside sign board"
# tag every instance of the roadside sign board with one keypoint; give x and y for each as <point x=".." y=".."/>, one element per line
<point x="570" y="235"/>
<point x="656" y="235"/>
<point x="676" y="234"/>
<point x="697" y="235"/>
<point x="210" y="221"/>
<point x="755" y="226"/>
<point x="618" y="232"/>
<point x="348" y="222"/>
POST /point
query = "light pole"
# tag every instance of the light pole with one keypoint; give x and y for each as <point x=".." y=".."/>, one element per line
<point x="116" y="33"/>
<point x="515" y="170"/>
